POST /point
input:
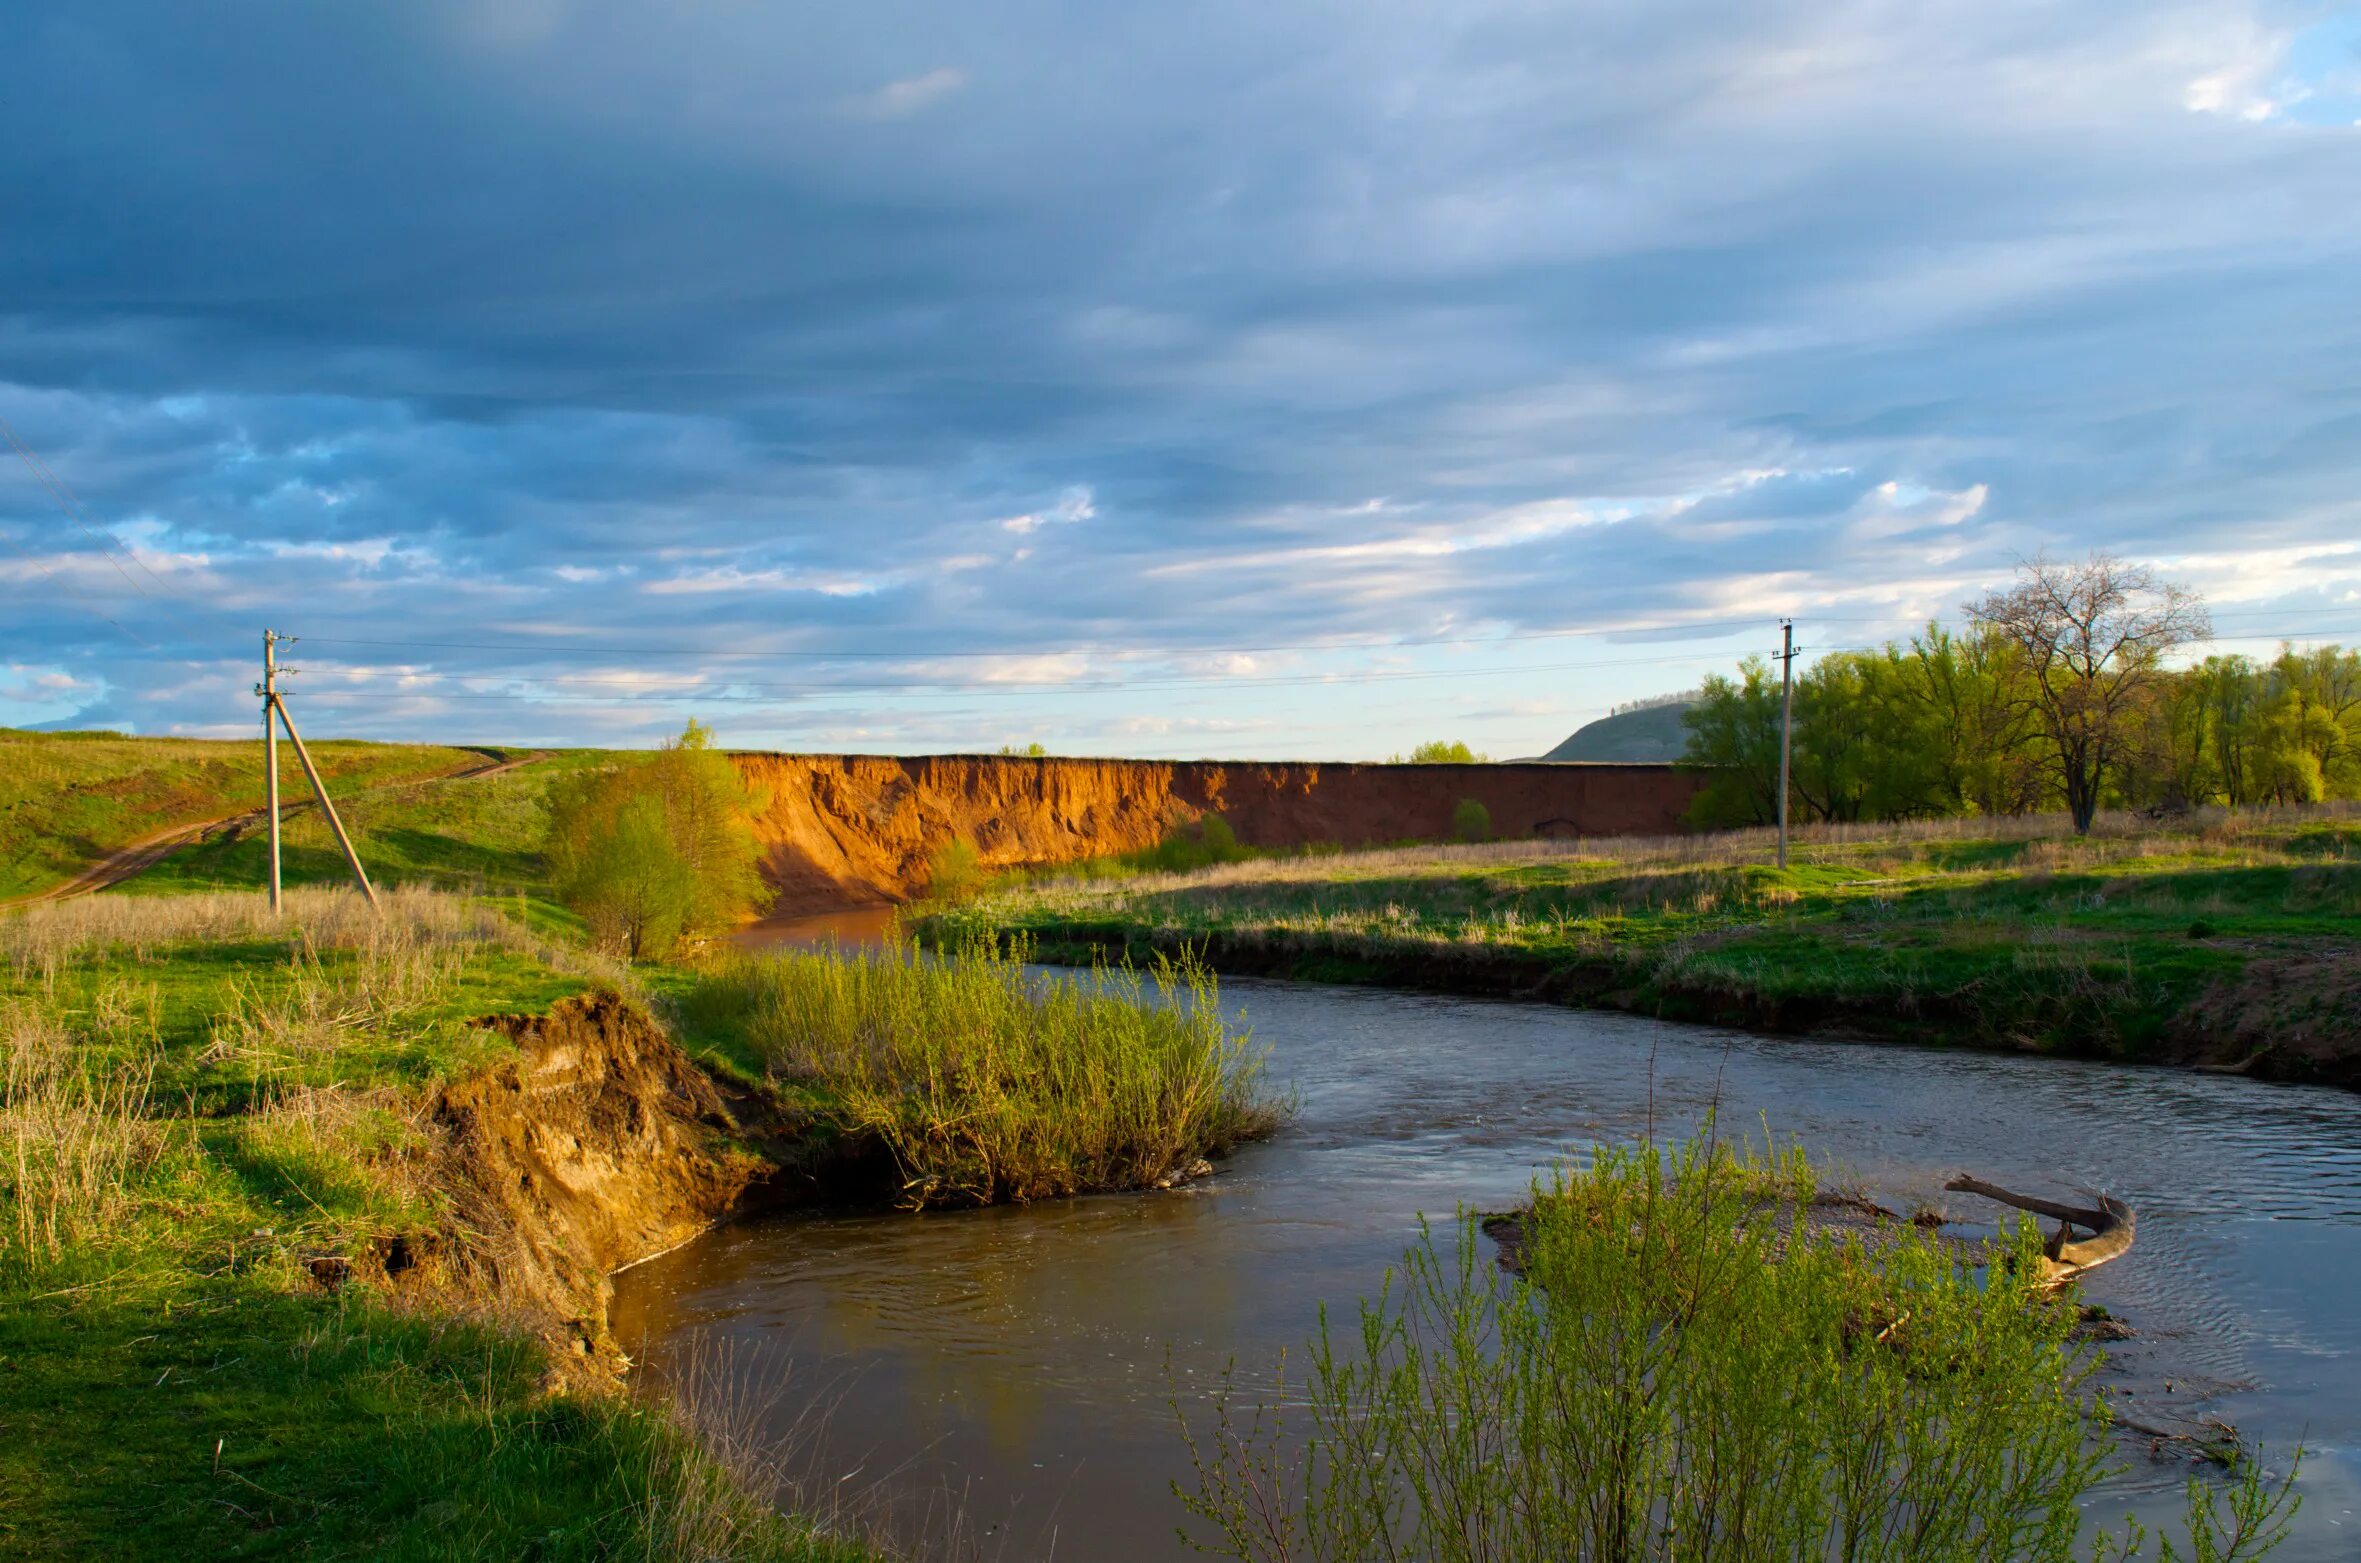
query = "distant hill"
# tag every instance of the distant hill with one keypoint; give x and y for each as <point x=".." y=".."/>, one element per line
<point x="1650" y="734"/>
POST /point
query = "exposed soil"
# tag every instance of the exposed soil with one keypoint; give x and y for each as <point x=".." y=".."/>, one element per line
<point x="599" y="1144"/>
<point x="852" y="830"/>
<point x="2283" y="1015"/>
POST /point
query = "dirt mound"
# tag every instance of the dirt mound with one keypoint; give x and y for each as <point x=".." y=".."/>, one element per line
<point x="597" y="1145"/>
<point x="852" y="829"/>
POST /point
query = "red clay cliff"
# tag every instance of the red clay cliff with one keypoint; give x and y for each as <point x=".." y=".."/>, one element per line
<point x="850" y="829"/>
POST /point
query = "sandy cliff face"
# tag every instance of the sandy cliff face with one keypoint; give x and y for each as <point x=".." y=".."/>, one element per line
<point x="846" y="829"/>
<point x="590" y="1149"/>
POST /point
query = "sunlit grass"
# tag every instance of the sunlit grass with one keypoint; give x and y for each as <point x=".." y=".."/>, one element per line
<point x="990" y="1083"/>
<point x="1999" y="930"/>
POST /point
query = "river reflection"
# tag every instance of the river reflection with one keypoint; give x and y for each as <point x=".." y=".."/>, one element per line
<point x="1026" y="1359"/>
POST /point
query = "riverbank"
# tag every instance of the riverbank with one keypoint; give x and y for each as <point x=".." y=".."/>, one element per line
<point x="302" y="1253"/>
<point x="308" y="1225"/>
<point x="2217" y="940"/>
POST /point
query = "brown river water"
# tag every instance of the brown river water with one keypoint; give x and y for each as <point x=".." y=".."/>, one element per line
<point x="1021" y="1366"/>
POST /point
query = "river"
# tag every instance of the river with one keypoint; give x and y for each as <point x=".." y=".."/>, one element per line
<point x="1021" y="1365"/>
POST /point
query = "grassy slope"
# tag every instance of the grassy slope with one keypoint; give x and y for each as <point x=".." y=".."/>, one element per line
<point x="1654" y="734"/>
<point x="477" y="833"/>
<point x="195" y="1115"/>
<point x="68" y="799"/>
<point x="2210" y="939"/>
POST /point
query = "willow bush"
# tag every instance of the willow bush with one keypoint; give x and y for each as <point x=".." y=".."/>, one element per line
<point x="1688" y="1367"/>
<point x="990" y="1082"/>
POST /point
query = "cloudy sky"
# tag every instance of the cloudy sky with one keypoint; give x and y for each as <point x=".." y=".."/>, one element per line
<point x="1257" y="378"/>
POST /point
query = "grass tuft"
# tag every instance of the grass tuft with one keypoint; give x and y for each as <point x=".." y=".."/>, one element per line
<point x="989" y="1082"/>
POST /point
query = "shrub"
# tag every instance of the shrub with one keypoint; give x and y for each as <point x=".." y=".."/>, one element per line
<point x="954" y="873"/>
<point x="1194" y="844"/>
<point x="1689" y="1367"/>
<point x="659" y="850"/>
<point x="1471" y="821"/>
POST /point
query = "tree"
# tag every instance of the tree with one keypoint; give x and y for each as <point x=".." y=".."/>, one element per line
<point x="1441" y="751"/>
<point x="1734" y="740"/>
<point x="1471" y="821"/>
<point x="2093" y="637"/>
<point x="657" y="850"/>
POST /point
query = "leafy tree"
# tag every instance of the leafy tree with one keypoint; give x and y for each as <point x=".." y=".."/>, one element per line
<point x="1471" y="821"/>
<point x="658" y="850"/>
<point x="1734" y="740"/>
<point x="1441" y="751"/>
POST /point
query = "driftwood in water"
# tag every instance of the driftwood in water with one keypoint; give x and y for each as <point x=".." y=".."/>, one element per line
<point x="2110" y="1224"/>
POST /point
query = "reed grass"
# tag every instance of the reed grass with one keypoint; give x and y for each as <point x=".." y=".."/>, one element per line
<point x="989" y="1082"/>
<point x="1688" y="1366"/>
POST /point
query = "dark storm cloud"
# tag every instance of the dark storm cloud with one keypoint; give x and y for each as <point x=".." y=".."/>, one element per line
<point x="959" y="329"/>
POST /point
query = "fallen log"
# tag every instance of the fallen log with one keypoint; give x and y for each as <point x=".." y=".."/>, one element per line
<point x="2110" y="1223"/>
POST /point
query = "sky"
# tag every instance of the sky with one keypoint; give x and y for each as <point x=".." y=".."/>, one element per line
<point x="1247" y="378"/>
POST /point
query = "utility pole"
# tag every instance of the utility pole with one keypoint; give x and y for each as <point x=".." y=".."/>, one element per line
<point x="1786" y="723"/>
<point x="269" y="690"/>
<point x="271" y="701"/>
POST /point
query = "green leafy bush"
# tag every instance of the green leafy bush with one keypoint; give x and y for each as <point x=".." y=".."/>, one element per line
<point x="658" y="850"/>
<point x="954" y="873"/>
<point x="1471" y="821"/>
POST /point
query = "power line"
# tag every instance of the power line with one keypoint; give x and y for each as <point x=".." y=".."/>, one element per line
<point x="727" y="695"/>
<point x="1725" y="626"/>
<point x="66" y="501"/>
<point x="1714" y="627"/>
<point x="74" y="510"/>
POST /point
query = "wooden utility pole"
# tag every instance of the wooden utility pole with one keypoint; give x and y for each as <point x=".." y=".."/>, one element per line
<point x="269" y="690"/>
<point x="1786" y="723"/>
<point x="271" y="702"/>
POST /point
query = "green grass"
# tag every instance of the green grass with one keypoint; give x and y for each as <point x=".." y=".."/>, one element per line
<point x="201" y="1116"/>
<point x="1690" y="1364"/>
<point x="984" y="1082"/>
<point x="68" y="799"/>
<point x="2141" y="941"/>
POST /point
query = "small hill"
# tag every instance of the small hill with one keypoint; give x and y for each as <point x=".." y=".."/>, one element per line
<point x="1651" y="734"/>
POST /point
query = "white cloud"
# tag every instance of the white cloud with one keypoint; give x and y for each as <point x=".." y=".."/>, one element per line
<point x="900" y="99"/>
<point x="1075" y="505"/>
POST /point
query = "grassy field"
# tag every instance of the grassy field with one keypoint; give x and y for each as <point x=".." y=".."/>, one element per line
<point x="203" y="1116"/>
<point x="69" y="799"/>
<point x="2220" y="938"/>
<point x="467" y="833"/>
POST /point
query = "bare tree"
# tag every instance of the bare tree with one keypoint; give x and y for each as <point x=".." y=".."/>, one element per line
<point x="2094" y="636"/>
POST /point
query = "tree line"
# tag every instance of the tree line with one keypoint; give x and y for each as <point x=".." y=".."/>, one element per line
<point x="2060" y="694"/>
